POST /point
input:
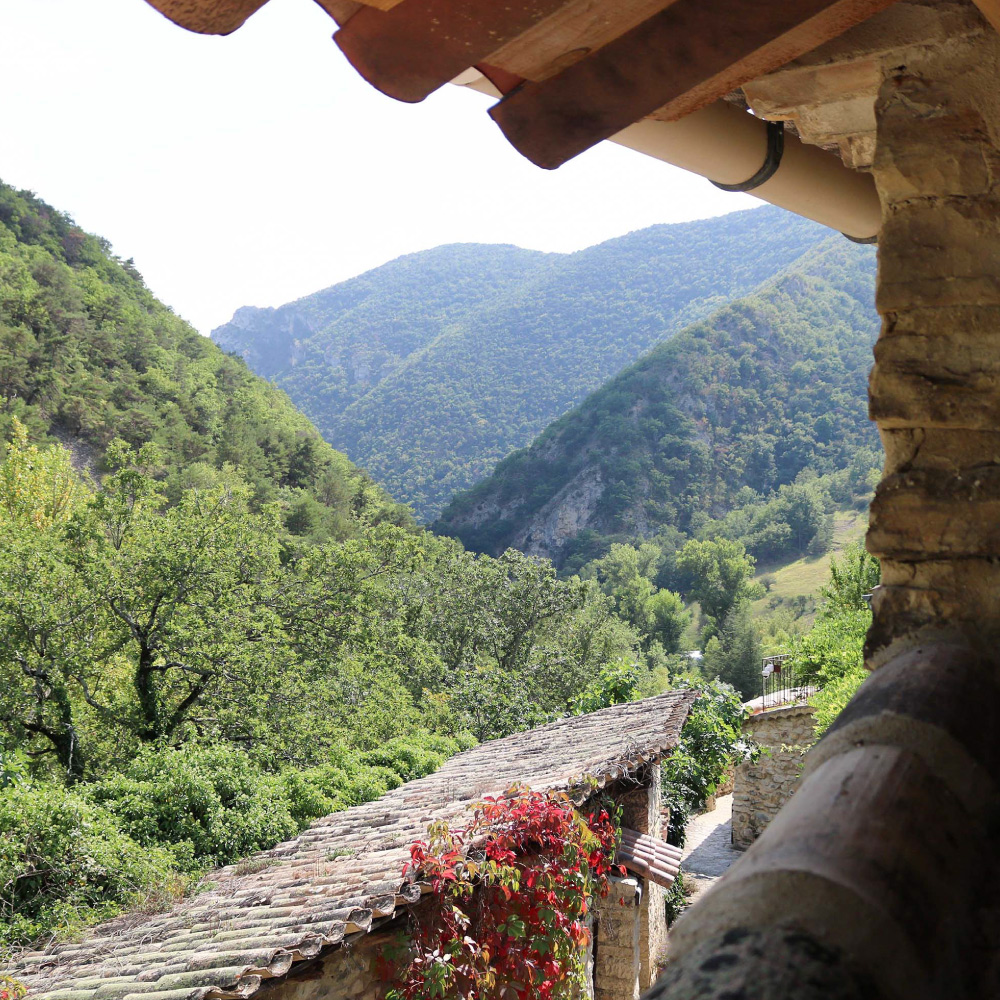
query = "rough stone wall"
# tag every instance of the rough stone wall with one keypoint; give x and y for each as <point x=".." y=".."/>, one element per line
<point x="935" y="387"/>
<point x="616" y="948"/>
<point x="642" y="810"/>
<point x="762" y="788"/>
<point x="345" y="974"/>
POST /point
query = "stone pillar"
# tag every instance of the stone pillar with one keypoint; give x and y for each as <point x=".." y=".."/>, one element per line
<point x="642" y="811"/>
<point x="616" y="949"/>
<point x="879" y="878"/>
<point x="935" y="387"/>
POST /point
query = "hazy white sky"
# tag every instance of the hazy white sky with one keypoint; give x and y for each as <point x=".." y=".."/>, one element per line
<point x="253" y="169"/>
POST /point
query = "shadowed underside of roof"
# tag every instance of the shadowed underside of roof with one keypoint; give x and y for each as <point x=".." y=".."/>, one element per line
<point x="574" y="72"/>
<point x="342" y="873"/>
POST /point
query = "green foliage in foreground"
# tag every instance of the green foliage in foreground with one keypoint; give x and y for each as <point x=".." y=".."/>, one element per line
<point x="141" y="837"/>
<point x="711" y="743"/>
<point x="64" y="859"/>
<point x="178" y="691"/>
<point x="831" y="654"/>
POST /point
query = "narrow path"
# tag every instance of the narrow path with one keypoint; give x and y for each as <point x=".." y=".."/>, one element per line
<point x="708" y="850"/>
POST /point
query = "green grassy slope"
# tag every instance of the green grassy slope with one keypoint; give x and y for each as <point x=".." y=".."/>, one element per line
<point x="796" y="584"/>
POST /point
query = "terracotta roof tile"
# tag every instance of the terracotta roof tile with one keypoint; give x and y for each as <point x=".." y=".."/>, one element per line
<point x="341" y="873"/>
<point x="650" y="857"/>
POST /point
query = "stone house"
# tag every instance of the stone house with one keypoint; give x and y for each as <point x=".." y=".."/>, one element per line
<point x="762" y="787"/>
<point x="305" y="920"/>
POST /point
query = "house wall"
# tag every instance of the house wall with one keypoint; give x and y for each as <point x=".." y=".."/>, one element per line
<point x="344" y="974"/>
<point x="642" y="809"/>
<point x="760" y="789"/>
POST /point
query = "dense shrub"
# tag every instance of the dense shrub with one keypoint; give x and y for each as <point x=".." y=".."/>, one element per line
<point x="711" y="742"/>
<point x="212" y="805"/>
<point x="413" y="756"/>
<point x="65" y="861"/>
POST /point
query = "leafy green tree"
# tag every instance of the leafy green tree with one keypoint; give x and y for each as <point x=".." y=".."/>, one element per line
<point x="37" y="486"/>
<point x="853" y="577"/>
<point x="616" y="683"/>
<point x="734" y="655"/>
<point x="717" y="574"/>
<point x="831" y="654"/>
<point x="44" y="610"/>
<point x="626" y="575"/>
<point x="182" y="598"/>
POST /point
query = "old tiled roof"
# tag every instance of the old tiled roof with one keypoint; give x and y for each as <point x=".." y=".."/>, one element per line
<point x="339" y="875"/>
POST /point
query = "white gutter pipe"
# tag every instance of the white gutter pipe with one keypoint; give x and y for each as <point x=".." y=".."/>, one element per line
<point x="731" y="147"/>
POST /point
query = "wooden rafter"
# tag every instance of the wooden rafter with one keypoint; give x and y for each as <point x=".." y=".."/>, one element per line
<point x="420" y="45"/>
<point x="677" y="61"/>
<point x="990" y="9"/>
<point x="570" y="34"/>
<point x="343" y="10"/>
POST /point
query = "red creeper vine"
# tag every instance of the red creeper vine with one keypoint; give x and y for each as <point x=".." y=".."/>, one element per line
<point x="508" y="915"/>
<point x="11" y="989"/>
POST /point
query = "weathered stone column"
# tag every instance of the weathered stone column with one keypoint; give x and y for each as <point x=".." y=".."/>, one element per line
<point x="935" y="387"/>
<point x="879" y="878"/>
<point x="641" y="811"/>
<point x="616" y="948"/>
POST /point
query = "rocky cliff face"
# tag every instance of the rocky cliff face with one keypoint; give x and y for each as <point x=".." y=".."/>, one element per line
<point x="268" y="340"/>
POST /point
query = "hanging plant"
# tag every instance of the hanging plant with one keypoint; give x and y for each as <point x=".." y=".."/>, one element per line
<point x="511" y="891"/>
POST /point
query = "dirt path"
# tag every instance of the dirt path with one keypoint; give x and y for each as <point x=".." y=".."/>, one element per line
<point x="708" y="851"/>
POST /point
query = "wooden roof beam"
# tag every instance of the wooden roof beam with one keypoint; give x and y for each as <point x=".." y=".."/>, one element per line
<point x="990" y="9"/>
<point x="412" y="50"/>
<point x="676" y="62"/>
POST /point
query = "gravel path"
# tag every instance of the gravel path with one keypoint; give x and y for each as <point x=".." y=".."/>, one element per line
<point x="708" y="851"/>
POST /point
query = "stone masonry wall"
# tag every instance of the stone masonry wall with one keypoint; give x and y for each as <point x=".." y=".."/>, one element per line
<point x="761" y="789"/>
<point x="616" y="948"/>
<point x="345" y="974"/>
<point x="642" y="811"/>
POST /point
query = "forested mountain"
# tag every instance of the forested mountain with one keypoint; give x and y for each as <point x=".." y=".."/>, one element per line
<point x="213" y="627"/>
<point x="88" y="354"/>
<point x="726" y="413"/>
<point x="430" y="369"/>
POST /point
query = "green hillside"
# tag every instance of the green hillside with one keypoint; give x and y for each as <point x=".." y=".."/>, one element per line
<point x="88" y="354"/>
<point x="796" y="584"/>
<point x="705" y="432"/>
<point x="431" y="369"/>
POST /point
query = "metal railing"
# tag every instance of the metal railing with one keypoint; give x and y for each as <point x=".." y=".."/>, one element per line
<point x="781" y="683"/>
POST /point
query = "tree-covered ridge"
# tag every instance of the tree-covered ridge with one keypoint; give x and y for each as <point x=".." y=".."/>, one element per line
<point x="430" y="370"/>
<point x="88" y="354"/>
<point x="351" y="335"/>
<point x="719" y="418"/>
